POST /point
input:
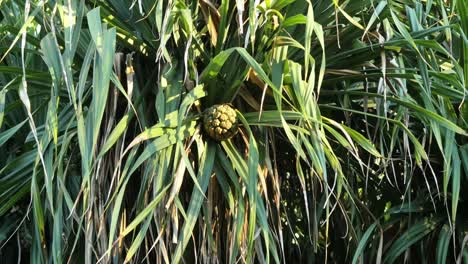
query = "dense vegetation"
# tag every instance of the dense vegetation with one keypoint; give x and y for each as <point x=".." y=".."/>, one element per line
<point x="352" y="143"/>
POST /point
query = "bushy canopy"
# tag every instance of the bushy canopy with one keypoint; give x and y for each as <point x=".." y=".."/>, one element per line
<point x="351" y="145"/>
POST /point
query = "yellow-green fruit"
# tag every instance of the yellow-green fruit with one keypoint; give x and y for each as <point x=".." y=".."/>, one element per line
<point x="220" y="122"/>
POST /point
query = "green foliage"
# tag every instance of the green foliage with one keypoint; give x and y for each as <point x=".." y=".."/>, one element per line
<point x="352" y="143"/>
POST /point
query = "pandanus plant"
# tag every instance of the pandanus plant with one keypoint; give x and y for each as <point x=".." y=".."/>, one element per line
<point x="233" y="131"/>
